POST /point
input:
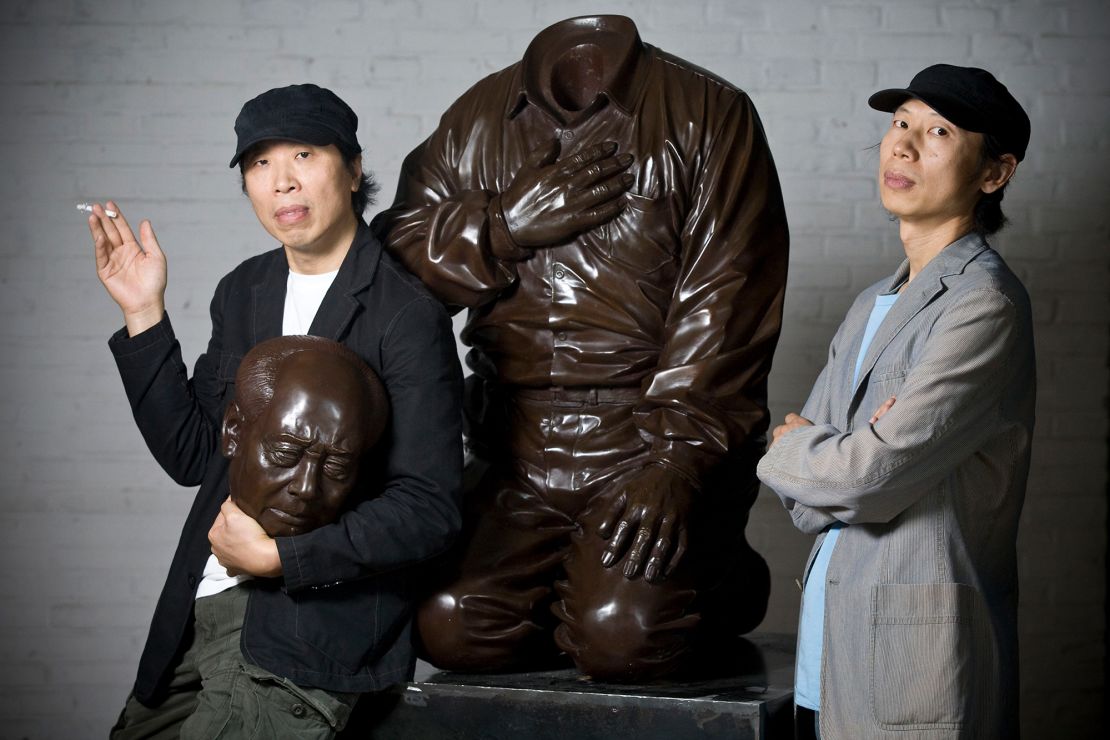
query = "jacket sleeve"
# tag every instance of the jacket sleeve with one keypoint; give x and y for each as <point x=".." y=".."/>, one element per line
<point x="179" y="417"/>
<point x="708" y="395"/>
<point x="416" y="515"/>
<point x="454" y="238"/>
<point x="949" y="404"/>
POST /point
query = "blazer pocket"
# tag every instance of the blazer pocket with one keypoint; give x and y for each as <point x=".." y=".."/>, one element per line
<point x="887" y="382"/>
<point x="921" y="654"/>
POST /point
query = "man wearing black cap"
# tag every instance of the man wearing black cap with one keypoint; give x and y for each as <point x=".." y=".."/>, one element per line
<point x="280" y="636"/>
<point x="909" y="459"/>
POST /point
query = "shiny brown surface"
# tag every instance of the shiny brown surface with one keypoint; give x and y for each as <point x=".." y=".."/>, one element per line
<point x="305" y="413"/>
<point x="642" y="259"/>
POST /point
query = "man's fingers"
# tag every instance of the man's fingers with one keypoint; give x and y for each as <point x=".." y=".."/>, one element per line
<point x="587" y="156"/>
<point x="660" y="553"/>
<point x="612" y="516"/>
<point x="108" y="225"/>
<point x="638" y="550"/>
<point x="617" y="544"/>
<point x="602" y="170"/>
<point x="101" y="246"/>
<point x="881" y="411"/>
<point x="149" y="240"/>
<point x="120" y="223"/>
<point x="679" y="551"/>
<point x="602" y="192"/>
<point x="593" y="217"/>
<point x="229" y="509"/>
<point x="217" y="525"/>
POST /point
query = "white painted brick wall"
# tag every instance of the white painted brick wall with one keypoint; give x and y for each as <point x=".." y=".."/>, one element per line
<point x="135" y="100"/>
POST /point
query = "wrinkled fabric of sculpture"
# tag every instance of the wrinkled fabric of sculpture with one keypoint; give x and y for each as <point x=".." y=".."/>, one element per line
<point x="611" y="218"/>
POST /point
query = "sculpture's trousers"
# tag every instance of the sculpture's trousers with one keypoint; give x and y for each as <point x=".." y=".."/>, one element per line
<point x="529" y="562"/>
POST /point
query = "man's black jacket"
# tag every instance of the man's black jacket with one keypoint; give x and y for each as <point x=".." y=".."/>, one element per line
<point x="339" y="618"/>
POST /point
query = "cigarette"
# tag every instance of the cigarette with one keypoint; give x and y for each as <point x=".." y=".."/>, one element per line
<point x="87" y="208"/>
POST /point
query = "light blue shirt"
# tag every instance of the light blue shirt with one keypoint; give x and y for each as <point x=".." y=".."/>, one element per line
<point x="811" y="634"/>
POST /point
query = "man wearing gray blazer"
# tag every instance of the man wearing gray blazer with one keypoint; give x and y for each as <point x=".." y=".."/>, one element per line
<point x="909" y="460"/>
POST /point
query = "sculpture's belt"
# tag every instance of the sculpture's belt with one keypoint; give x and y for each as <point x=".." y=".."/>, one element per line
<point x="588" y="396"/>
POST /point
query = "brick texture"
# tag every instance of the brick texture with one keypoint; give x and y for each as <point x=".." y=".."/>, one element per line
<point x="135" y="99"/>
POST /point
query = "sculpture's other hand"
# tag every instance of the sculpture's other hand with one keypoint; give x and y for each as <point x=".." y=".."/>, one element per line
<point x="134" y="275"/>
<point x="548" y="202"/>
<point x="647" y="523"/>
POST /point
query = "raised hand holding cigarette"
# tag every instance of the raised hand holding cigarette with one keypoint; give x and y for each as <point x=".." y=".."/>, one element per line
<point x="134" y="275"/>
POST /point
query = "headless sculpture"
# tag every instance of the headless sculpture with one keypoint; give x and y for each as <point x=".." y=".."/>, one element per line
<point x="612" y="220"/>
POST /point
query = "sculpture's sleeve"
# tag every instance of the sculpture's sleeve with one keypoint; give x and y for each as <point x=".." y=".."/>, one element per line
<point x="708" y="395"/>
<point x="451" y="235"/>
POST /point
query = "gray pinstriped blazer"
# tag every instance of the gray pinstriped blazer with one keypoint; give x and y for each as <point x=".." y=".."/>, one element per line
<point x="921" y="598"/>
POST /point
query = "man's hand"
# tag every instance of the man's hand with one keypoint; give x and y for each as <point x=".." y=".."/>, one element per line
<point x="791" y="422"/>
<point x="653" y="505"/>
<point x="881" y="411"/>
<point x="241" y="545"/>
<point x="134" y="275"/>
<point x="548" y="202"/>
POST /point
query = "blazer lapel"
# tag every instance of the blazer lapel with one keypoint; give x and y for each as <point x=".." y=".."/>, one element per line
<point x="268" y="298"/>
<point x="343" y="300"/>
<point x="928" y="284"/>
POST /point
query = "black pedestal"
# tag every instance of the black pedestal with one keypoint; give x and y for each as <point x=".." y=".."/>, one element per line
<point x="752" y="701"/>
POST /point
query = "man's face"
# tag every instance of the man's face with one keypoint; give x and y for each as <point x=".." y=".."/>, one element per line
<point x="930" y="170"/>
<point x="294" y="464"/>
<point x="302" y="193"/>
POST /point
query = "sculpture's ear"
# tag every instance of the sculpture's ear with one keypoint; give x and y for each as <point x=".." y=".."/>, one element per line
<point x="232" y="430"/>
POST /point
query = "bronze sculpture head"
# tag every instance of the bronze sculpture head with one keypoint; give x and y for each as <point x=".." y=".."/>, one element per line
<point x="305" y="413"/>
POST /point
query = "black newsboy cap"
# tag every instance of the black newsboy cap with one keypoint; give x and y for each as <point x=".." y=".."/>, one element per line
<point x="969" y="97"/>
<point x="305" y="113"/>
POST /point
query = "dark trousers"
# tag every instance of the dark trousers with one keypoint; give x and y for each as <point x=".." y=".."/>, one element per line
<point x="806" y="724"/>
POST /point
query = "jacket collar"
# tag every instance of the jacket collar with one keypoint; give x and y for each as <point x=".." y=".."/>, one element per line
<point x="623" y="51"/>
<point x="341" y="303"/>
<point x="929" y="283"/>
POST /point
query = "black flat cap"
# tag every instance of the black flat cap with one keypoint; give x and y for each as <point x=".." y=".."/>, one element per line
<point x="969" y="97"/>
<point x="305" y="113"/>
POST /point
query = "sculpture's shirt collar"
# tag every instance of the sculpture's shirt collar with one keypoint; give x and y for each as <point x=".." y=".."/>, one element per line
<point x="624" y="59"/>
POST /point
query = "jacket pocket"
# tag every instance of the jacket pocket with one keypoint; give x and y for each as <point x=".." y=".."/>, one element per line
<point x="353" y="624"/>
<point x="921" y="654"/>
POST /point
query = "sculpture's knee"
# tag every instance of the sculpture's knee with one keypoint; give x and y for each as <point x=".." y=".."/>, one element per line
<point x="469" y="632"/>
<point x="439" y="627"/>
<point x="625" y="644"/>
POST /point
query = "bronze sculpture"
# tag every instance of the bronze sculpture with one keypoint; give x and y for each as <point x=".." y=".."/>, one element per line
<point x="306" y="412"/>
<point x="612" y="218"/>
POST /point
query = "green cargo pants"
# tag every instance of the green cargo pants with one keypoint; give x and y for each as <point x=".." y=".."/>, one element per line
<point x="215" y="693"/>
